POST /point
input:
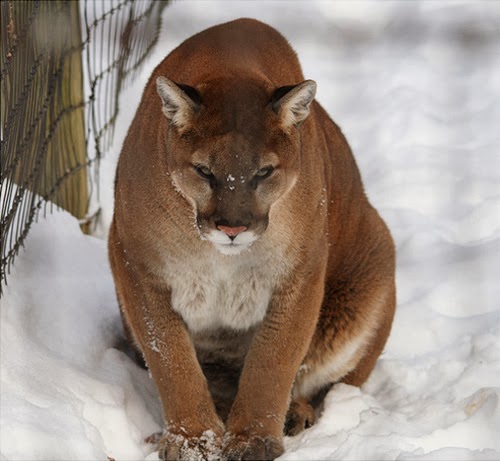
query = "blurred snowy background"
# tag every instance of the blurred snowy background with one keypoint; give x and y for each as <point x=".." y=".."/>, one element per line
<point x="415" y="87"/>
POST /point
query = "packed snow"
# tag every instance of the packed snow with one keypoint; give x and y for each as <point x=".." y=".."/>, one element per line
<point x="415" y="87"/>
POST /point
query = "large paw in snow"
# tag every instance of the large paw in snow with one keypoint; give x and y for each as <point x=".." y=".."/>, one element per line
<point x="176" y="447"/>
<point x="300" y="416"/>
<point x="240" y="447"/>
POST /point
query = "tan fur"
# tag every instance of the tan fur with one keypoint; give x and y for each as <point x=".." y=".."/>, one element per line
<point x="302" y="298"/>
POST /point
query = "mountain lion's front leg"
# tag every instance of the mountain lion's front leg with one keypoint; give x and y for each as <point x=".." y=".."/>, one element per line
<point x="193" y="428"/>
<point x="255" y="423"/>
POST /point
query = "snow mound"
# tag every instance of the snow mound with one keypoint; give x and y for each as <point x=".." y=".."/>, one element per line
<point x="67" y="392"/>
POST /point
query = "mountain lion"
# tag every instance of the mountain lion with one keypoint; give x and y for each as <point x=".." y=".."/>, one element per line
<point x="251" y="271"/>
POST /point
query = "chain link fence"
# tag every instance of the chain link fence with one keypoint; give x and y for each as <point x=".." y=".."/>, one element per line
<point x="63" y="66"/>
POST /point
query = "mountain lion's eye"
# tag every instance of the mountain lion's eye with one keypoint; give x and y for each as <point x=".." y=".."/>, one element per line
<point x="264" y="173"/>
<point x="204" y="171"/>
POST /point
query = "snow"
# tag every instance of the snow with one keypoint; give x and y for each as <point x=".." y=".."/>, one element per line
<point x="416" y="88"/>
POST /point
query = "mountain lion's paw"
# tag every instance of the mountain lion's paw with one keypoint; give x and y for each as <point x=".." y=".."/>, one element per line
<point x="300" y="416"/>
<point x="240" y="448"/>
<point x="176" y="447"/>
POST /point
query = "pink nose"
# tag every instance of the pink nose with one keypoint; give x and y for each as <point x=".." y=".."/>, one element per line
<point x="232" y="231"/>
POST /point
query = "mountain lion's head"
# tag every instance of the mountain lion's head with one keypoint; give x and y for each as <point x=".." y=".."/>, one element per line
<point x="233" y="149"/>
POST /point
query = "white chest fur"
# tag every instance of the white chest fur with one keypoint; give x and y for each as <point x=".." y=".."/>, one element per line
<point x="221" y="292"/>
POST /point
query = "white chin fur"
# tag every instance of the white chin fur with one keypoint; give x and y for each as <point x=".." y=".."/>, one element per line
<point x="230" y="250"/>
<point x="229" y="247"/>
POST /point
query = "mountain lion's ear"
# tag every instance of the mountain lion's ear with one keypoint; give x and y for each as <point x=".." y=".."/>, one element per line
<point x="292" y="103"/>
<point x="180" y="102"/>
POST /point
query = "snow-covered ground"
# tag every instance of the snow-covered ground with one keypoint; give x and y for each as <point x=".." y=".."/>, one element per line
<point x="416" y="88"/>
